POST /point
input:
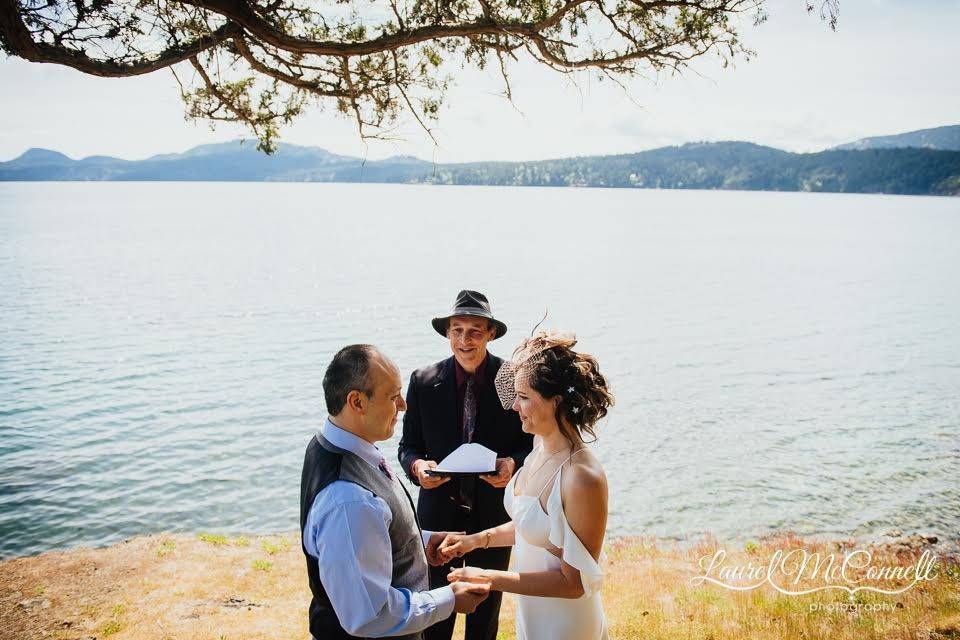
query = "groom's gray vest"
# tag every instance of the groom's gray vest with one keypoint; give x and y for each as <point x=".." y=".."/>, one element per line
<point x="324" y="463"/>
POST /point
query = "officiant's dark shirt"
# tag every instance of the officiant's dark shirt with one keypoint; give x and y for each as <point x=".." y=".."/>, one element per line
<point x="478" y="385"/>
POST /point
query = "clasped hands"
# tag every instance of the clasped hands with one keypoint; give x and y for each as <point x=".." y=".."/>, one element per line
<point x="446" y="545"/>
<point x="469" y="589"/>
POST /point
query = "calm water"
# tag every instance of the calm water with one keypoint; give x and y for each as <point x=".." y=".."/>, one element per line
<point x="779" y="360"/>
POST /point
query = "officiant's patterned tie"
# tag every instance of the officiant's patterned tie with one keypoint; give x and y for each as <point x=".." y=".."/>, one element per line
<point x="469" y="411"/>
<point x="468" y="484"/>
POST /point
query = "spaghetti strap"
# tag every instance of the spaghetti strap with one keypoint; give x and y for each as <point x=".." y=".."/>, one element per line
<point x="522" y="468"/>
<point x="549" y="482"/>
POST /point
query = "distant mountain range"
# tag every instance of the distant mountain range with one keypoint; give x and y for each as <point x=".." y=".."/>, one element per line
<point x="943" y="138"/>
<point x="923" y="162"/>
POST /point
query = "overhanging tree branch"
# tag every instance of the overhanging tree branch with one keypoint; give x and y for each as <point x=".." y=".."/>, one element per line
<point x="259" y="62"/>
<point x="17" y="40"/>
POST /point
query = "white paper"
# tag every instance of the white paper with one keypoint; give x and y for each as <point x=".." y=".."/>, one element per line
<point x="469" y="458"/>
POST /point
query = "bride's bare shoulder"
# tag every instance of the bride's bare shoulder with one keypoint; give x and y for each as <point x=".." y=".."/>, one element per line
<point x="584" y="497"/>
<point x="584" y="478"/>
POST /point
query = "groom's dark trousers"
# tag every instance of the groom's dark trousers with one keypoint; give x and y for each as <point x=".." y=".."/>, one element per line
<point x="432" y="429"/>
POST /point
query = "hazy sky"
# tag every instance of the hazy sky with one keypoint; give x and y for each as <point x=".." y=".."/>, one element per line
<point x="890" y="67"/>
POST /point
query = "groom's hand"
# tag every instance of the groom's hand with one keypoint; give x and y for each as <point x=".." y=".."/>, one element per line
<point x="420" y="468"/>
<point x="505" y="469"/>
<point x="434" y="556"/>
<point x="468" y="596"/>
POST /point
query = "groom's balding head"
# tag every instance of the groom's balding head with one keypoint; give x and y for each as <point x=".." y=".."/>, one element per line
<point x="348" y="371"/>
<point x="363" y="391"/>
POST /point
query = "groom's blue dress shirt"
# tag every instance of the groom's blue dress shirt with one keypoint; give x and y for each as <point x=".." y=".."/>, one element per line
<point x="347" y="532"/>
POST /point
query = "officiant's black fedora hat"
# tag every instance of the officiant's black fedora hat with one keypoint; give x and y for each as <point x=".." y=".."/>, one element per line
<point x="469" y="303"/>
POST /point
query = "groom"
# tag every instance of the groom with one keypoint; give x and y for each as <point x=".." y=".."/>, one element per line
<point x="449" y="403"/>
<point x="366" y="562"/>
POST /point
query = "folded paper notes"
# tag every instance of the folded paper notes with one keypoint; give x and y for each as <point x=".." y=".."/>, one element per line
<point x="468" y="459"/>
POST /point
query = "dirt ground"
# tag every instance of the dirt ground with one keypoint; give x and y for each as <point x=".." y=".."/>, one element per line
<point x="177" y="587"/>
<point x="167" y="586"/>
<point x="212" y="587"/>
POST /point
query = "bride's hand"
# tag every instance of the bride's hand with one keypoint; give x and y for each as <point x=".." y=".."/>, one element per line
<point x="469" y="574"/>
<point x="456" y="545"/>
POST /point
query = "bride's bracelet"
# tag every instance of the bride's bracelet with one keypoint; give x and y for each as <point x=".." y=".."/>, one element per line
<point x="486" y="533"/>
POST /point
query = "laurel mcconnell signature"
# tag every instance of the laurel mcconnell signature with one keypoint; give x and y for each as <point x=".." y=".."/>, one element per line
<point x="798" y="565"/>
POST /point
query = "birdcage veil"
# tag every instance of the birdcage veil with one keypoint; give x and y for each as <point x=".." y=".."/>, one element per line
<point x="525" y="359"/>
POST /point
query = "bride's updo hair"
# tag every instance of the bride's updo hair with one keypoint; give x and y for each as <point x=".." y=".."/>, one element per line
<point x="547" y="363"/>
<point x="576" y="379"/>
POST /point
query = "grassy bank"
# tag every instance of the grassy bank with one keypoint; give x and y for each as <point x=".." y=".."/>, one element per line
<point x="211" y="587"/>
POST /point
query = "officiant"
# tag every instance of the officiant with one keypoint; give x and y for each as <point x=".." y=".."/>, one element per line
<point x="450" y="403"/>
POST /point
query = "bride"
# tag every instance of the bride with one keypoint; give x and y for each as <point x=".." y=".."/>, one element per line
<point x="557" y="501"/>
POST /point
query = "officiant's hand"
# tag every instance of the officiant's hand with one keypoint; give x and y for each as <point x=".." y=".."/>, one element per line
<point x="473" y="575"/>
<point x="505" y="469"/>
<point x="427" y="482"/>
<point x="434" y="556"/>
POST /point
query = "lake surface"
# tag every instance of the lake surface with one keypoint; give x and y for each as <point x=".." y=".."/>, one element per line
<point x="780" y="360"/>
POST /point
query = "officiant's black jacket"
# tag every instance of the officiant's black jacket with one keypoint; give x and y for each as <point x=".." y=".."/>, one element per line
<point x="432" y="430"/>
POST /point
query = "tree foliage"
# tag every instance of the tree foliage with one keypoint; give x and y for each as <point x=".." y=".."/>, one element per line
<point x="263" y="62"/>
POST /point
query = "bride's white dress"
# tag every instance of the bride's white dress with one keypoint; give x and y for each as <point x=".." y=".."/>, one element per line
<point x="537" y="531"/>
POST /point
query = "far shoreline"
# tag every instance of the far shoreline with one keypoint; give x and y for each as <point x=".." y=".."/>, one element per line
<point x="490" y="186"/>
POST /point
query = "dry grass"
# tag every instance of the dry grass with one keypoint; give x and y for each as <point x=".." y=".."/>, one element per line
<point x="158" y="587"/>
<point x="649" y="596"/>
<point x="212" y="587"/>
